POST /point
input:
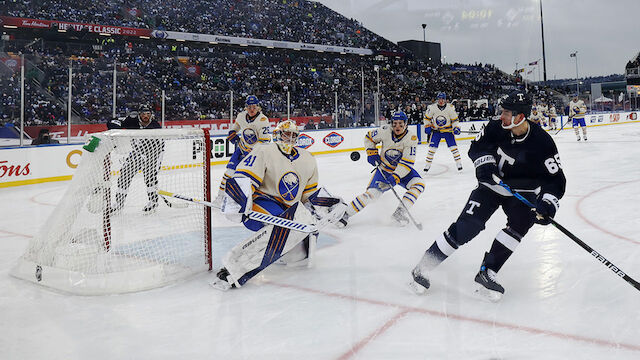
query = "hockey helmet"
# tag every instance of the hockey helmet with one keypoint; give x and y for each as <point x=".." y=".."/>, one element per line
<point x="285" y="135"/>
<point x="252" y="100"/>
<point x="441" y="95"/>
<point x="517" y="102"/>
<point x="399" y="115"/>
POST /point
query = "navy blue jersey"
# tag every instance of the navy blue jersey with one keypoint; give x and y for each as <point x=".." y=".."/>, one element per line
<point x="131" y="122"/>
<point x="525" y="163"/>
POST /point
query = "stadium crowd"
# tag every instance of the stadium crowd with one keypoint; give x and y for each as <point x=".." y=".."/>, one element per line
<point x="284" y="20"/>
<point x="312" y="79"/>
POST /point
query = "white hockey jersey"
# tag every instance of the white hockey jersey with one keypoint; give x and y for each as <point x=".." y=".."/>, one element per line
<point x="577" y="109"/>
<point x="397" y="154"/>
<point x="444" y="119"/>
<point x="251" y="131"/>
<point x="552" y="112"/>
<point x="537" y="117"/>
<point x="543" y="110"/>
<point x="287" y="178"/>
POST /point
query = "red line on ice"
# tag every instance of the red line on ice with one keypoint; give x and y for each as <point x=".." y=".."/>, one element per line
<point x="409" y="309"/>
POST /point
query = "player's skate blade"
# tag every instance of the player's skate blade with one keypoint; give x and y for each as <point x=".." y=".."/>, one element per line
<point x="220" y="284"/>
<point x="400" y="217"/>
<point x="419" y="283"/>
<point x="486" y="285"/>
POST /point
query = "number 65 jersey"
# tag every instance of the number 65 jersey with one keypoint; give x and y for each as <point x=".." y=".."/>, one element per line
<point x="529" y="163"/>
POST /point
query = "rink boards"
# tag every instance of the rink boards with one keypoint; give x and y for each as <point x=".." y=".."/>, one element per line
<point x="34" y="165"/>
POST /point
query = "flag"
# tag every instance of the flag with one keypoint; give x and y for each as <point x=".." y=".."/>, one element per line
<point x="520" y="70"/>
<point x="533" y="63"/>
<point x="574" y="54"/>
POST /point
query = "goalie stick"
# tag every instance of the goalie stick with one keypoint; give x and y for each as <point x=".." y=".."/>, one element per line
<point x="253" y="215"/>
<point x="616" y="270"/>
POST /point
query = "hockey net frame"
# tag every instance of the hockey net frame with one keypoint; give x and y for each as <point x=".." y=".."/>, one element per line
<point x="126" y="250"/>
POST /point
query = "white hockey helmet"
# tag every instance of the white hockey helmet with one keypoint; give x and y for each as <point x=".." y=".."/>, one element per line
<point x="285" y="135"/>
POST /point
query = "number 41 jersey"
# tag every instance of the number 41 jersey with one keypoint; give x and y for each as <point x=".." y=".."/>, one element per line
<point x="529" y="163"/>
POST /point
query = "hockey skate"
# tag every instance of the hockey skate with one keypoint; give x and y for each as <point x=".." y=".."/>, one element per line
<point x="420" y="282"/>
<point x="118" y="204"/>
<point x="152" y="205"/>
<point x="221" y="282"/>
<point x="400" y="216"/>
<point x="487" y="286"/>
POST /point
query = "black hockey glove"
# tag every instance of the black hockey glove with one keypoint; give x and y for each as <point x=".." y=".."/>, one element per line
<point x="546" y="207"/>
<point x="485" y="169"/>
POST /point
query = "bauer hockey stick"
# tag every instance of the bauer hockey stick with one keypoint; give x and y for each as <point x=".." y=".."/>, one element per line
<point x="417" y="224"/>
<point x="616" y="270"/>
<point x="253" y="215"/>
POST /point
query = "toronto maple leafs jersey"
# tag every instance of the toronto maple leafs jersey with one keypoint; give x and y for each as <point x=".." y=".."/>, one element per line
<point x="139" y="146"/>
<point x="251" y="131"/>
<point x="441" y="118"/>
<point x="286" y="177"/>
<point x="398" y="154"/>
<point x="577" y="109"/>
<point x="529" y="163"/>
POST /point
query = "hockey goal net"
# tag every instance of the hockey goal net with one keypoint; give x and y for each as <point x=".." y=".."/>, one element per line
<point x="111" y="232"/>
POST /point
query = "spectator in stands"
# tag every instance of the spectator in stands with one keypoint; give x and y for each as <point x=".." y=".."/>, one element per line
<point x="44" y="138"/>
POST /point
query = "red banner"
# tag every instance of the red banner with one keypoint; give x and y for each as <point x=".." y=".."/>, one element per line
<point x="65" y="25"/>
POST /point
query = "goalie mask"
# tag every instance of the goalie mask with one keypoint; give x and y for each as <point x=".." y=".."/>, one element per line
<point x="516" y="103"/>
<point x="285" y="135"/>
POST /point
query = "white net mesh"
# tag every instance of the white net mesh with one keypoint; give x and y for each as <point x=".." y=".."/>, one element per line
<point x="111" y="232"/>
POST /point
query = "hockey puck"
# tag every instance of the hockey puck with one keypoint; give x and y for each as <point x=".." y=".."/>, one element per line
<point x="355" y="156"/>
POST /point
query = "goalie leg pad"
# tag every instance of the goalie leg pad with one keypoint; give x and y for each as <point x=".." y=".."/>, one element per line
<point x="266" y="246"/>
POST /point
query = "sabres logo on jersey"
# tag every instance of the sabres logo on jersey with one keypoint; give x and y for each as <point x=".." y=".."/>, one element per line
<point x="289" y="186"/>
<point x="393" y="156"/>
<point x="249" y="136"/>
<point x="576" y="109"/>
<point x="441" y="121"/>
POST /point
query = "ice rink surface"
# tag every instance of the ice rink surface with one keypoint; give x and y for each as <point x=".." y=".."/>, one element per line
<point x="560" y="303"/>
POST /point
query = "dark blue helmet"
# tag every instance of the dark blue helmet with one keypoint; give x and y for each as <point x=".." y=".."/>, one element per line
<point x="252" y="100"/>
<point x="399" y="115"/>
<point x="441" y="95"/>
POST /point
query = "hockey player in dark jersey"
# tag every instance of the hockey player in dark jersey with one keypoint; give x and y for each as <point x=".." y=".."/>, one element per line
<point x="146" y="155"/>
<point x="522" y="156"/>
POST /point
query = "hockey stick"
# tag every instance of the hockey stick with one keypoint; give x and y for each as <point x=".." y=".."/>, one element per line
<point x="590" y="250"/>
<point x="469" y="132"/>
<point x="562" y="127"/>
<point x="253" y="215"/>
<point x="417" y="224"/>
<point x="173" y="205"/>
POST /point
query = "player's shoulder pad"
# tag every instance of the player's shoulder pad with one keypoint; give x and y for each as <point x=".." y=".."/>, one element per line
<point x="263" y="117"/>
<point x="154" y="124"/>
